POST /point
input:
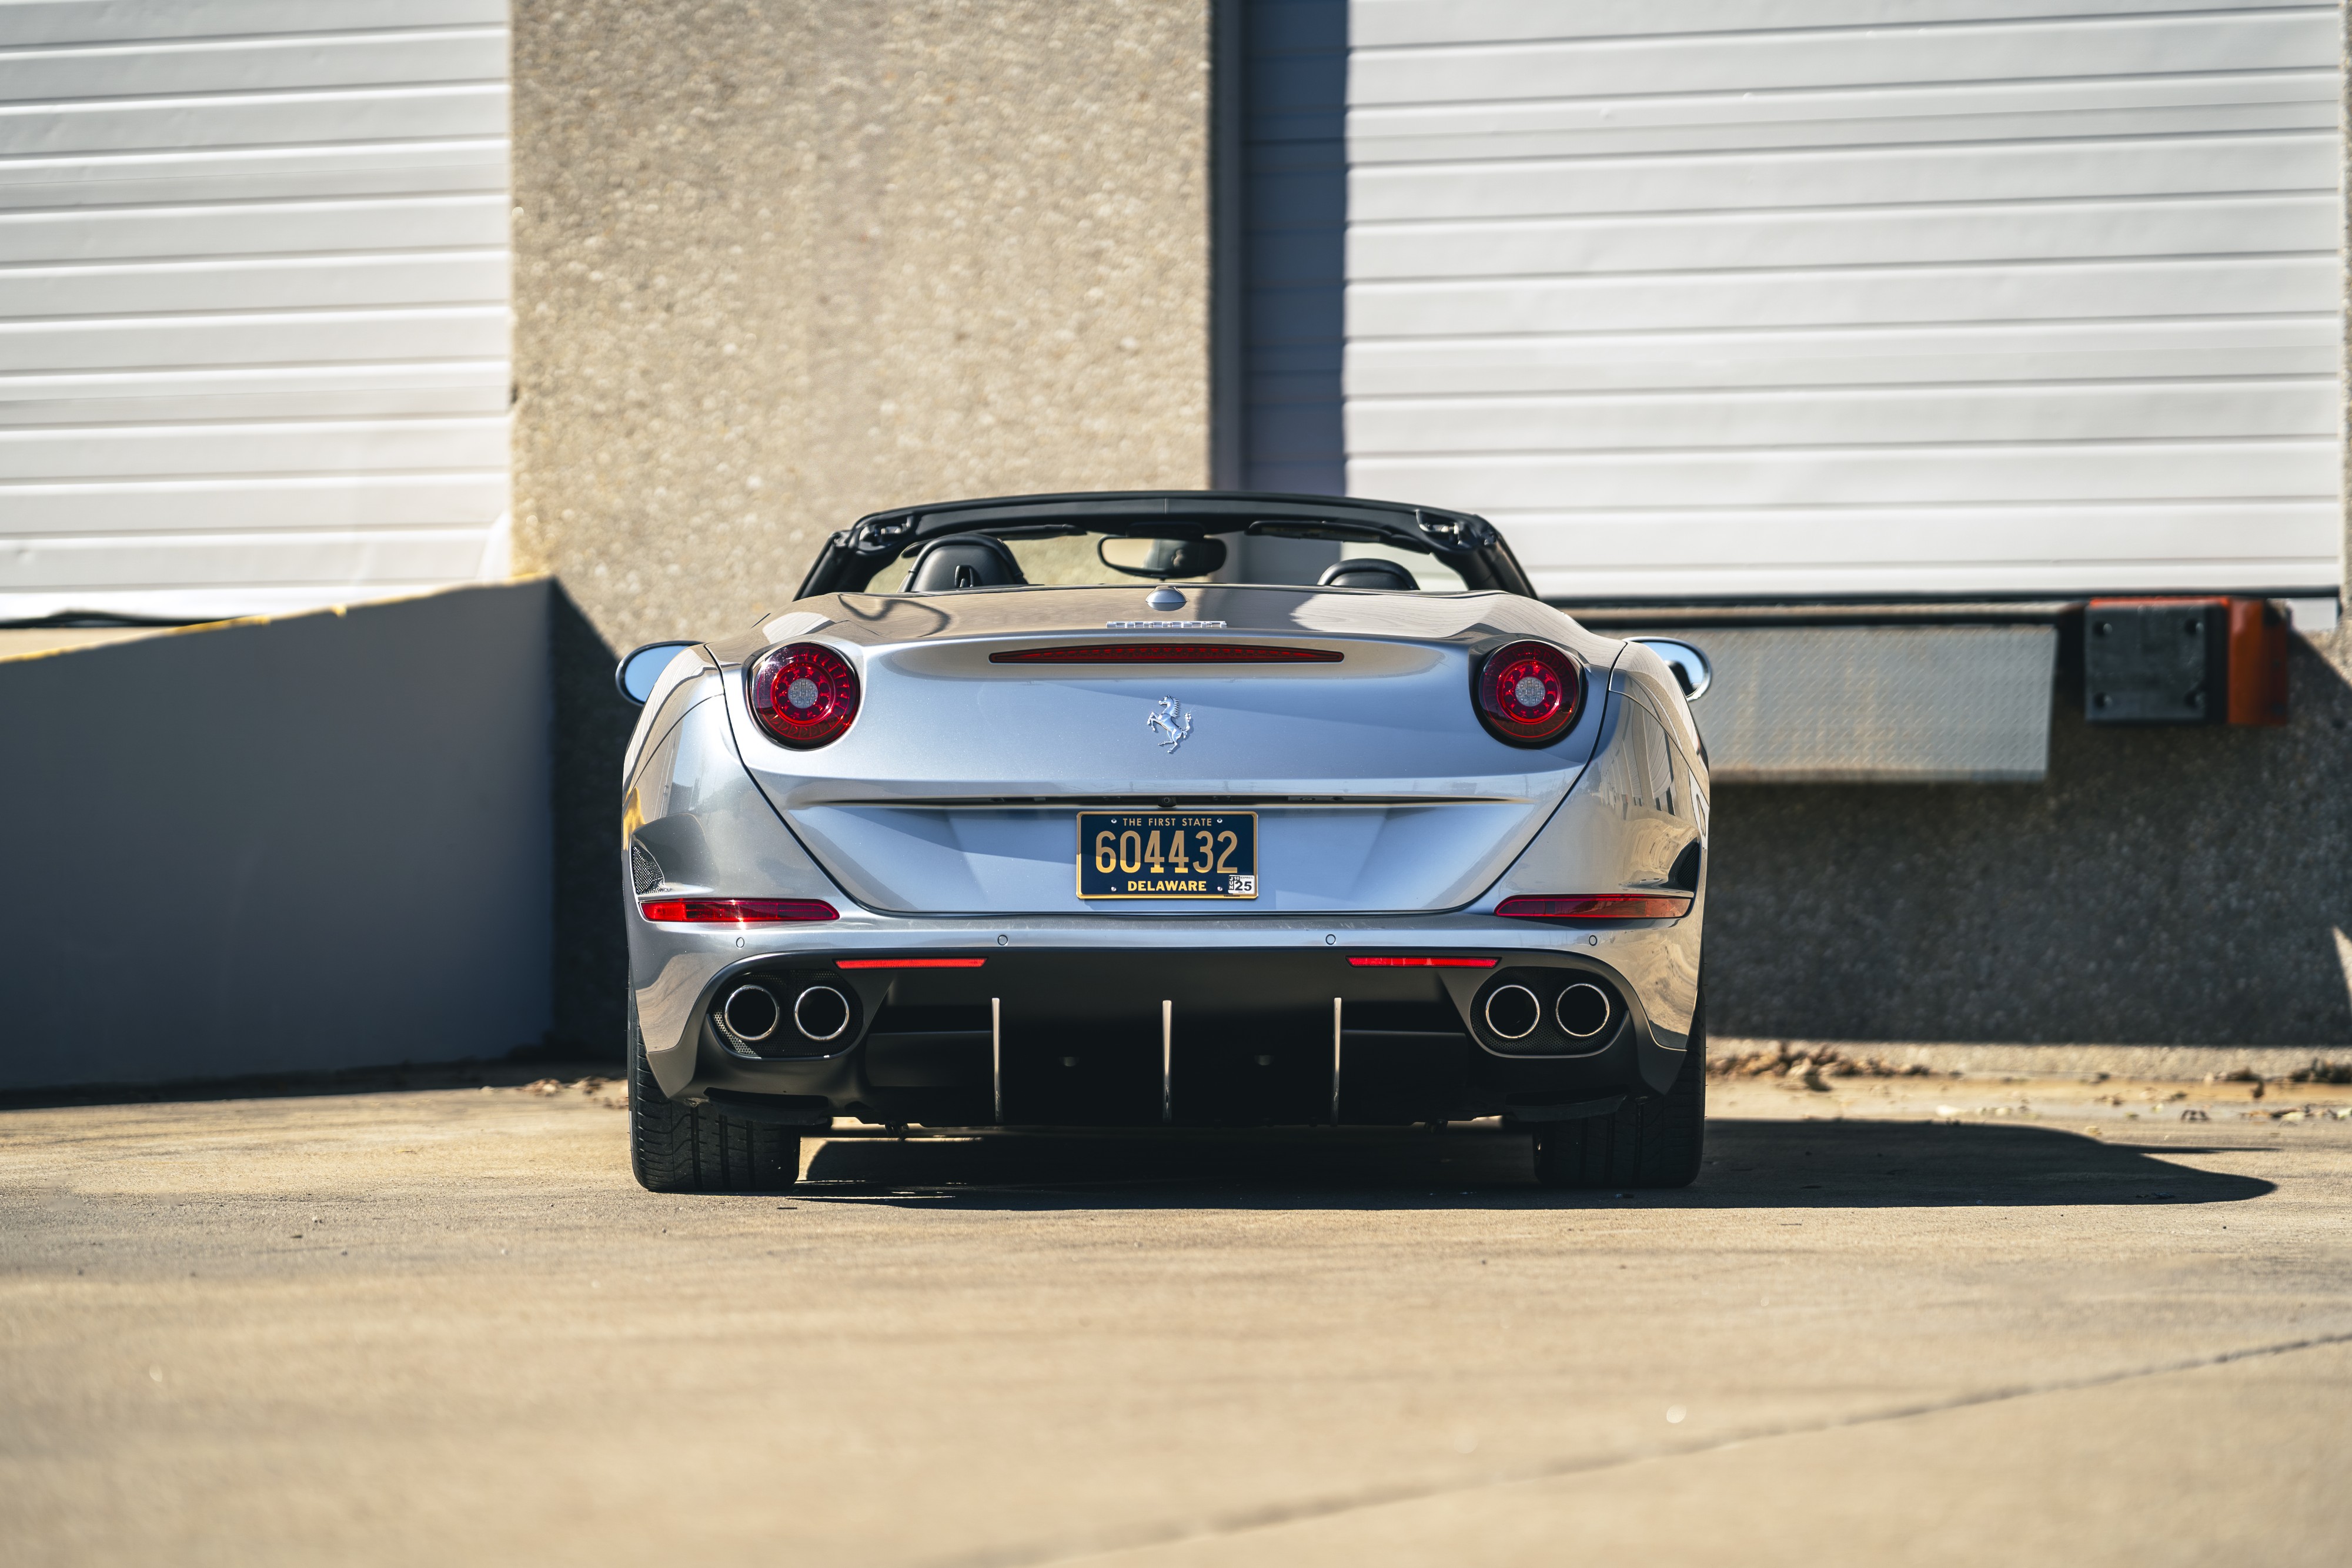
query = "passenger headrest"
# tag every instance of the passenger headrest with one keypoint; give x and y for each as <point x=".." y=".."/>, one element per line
<point x="964" y="560"/>
<point x="1367" y="571"/>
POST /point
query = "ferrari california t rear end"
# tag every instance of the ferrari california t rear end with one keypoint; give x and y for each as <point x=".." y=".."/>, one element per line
<point x="1012" y="841"/>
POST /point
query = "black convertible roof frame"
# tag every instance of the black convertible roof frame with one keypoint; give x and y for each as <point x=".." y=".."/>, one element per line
<point x="1467" y="543"/>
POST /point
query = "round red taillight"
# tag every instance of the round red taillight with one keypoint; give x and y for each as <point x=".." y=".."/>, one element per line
<point x="803" y="694"/>
<point x="1530" y="692"/>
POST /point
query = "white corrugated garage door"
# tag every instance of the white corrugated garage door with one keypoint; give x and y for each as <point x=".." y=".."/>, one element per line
<point x="1786" y="299"/>
<point x="254" y="318"/>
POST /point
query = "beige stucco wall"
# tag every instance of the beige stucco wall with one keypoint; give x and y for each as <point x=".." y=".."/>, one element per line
<point x="782" y="263"/>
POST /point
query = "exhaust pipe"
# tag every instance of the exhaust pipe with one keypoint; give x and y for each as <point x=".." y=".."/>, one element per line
<point x="1584" y="1009"/>
<point x="751" y="1013"/>
<point x="820" y="1013"/>
<point x="1513" y="1011"/>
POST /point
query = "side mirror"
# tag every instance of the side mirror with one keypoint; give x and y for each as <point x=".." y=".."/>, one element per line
<point x="638" y="672"/>
<point x="1692" y="668"/>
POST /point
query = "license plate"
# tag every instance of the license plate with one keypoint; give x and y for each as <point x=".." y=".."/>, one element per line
<point x="1168" y="854"/>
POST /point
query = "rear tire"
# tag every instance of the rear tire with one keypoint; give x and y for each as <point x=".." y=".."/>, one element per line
<point x="1651" y="1140"/>
<point x="687" y="1148"/>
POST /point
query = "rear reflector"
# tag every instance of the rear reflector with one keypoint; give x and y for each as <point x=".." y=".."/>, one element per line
<point x="1598" y="906"/>
<point x="737" y="911"/>
<point x="1166" y="653"/>
<point x="1381" y="961"/>
<point x="908" y="962"/>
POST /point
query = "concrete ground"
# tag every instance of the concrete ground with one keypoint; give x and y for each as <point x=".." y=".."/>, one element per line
<point x="1898" y="1321"/>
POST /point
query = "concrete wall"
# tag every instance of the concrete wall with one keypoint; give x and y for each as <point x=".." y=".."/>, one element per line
<point x="291" y="846"/>
<point x="781" y="264"/>
<point x="2161" y="886"/>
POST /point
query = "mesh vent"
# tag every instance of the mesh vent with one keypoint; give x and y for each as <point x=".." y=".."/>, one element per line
<point x="643" y="870"/>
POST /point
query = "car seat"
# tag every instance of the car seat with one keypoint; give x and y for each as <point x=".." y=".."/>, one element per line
<point x="1368" y="572"/>
<point x="964" y="560"/>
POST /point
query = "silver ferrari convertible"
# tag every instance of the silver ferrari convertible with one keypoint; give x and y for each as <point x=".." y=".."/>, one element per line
<point x="1165" y="809"/>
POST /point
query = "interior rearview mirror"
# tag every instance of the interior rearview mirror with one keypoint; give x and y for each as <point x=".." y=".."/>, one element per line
<point x="1692" y="668"/>
<point x="638" y="672"/>
<point x="1161" y="558"/>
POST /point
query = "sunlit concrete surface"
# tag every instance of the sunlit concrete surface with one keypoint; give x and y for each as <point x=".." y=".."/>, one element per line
<point x="33" y="642"/>
<point x="1916" y="1320"/>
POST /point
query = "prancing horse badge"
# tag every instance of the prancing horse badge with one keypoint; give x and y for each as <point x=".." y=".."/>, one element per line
<point x="1171" y="724"/>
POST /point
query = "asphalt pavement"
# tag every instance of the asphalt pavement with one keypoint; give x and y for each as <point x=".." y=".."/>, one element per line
<point x="1898" y="1321"/>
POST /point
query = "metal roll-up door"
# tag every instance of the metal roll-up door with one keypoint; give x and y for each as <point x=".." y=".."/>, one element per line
<point x="254" y="302"/>
<point x="1796" y="298"/>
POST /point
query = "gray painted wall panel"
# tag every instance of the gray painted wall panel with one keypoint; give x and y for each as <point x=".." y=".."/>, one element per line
<point x="294" y="845"/>
<point x="1294" y="82"/>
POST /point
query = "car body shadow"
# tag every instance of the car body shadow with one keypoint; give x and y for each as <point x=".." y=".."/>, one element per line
<point x="1749" y="1164"/>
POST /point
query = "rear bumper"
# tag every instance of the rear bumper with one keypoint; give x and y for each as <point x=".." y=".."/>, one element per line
<point x="1220" y="1027"/>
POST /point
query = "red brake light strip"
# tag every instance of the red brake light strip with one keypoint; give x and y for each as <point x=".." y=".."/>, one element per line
<point x="1166" y="653"/>
<point x="1383" y="961"/>
<point x="1597" y="906"/>
<point x="736" y="910"/>
<point x="908" y="962"/>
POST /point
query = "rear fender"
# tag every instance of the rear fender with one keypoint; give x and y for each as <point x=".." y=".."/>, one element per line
<point x="1623" y="828"/>
<point x="693" y="807"/>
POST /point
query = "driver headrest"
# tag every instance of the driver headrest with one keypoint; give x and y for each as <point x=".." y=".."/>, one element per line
<point x="1367" y="571"/>
<point x="964" y="560"/>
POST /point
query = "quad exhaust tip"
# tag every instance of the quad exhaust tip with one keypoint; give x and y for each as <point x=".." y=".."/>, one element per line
<point x="820" y="1013"/>
<point x="1513" y="1011"/>
<point x="1583" y="1010"/>
<point x="751" y="1013"/>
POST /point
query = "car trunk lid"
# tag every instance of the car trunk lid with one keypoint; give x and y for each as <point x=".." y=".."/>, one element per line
<point x="1374" y="786"/>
